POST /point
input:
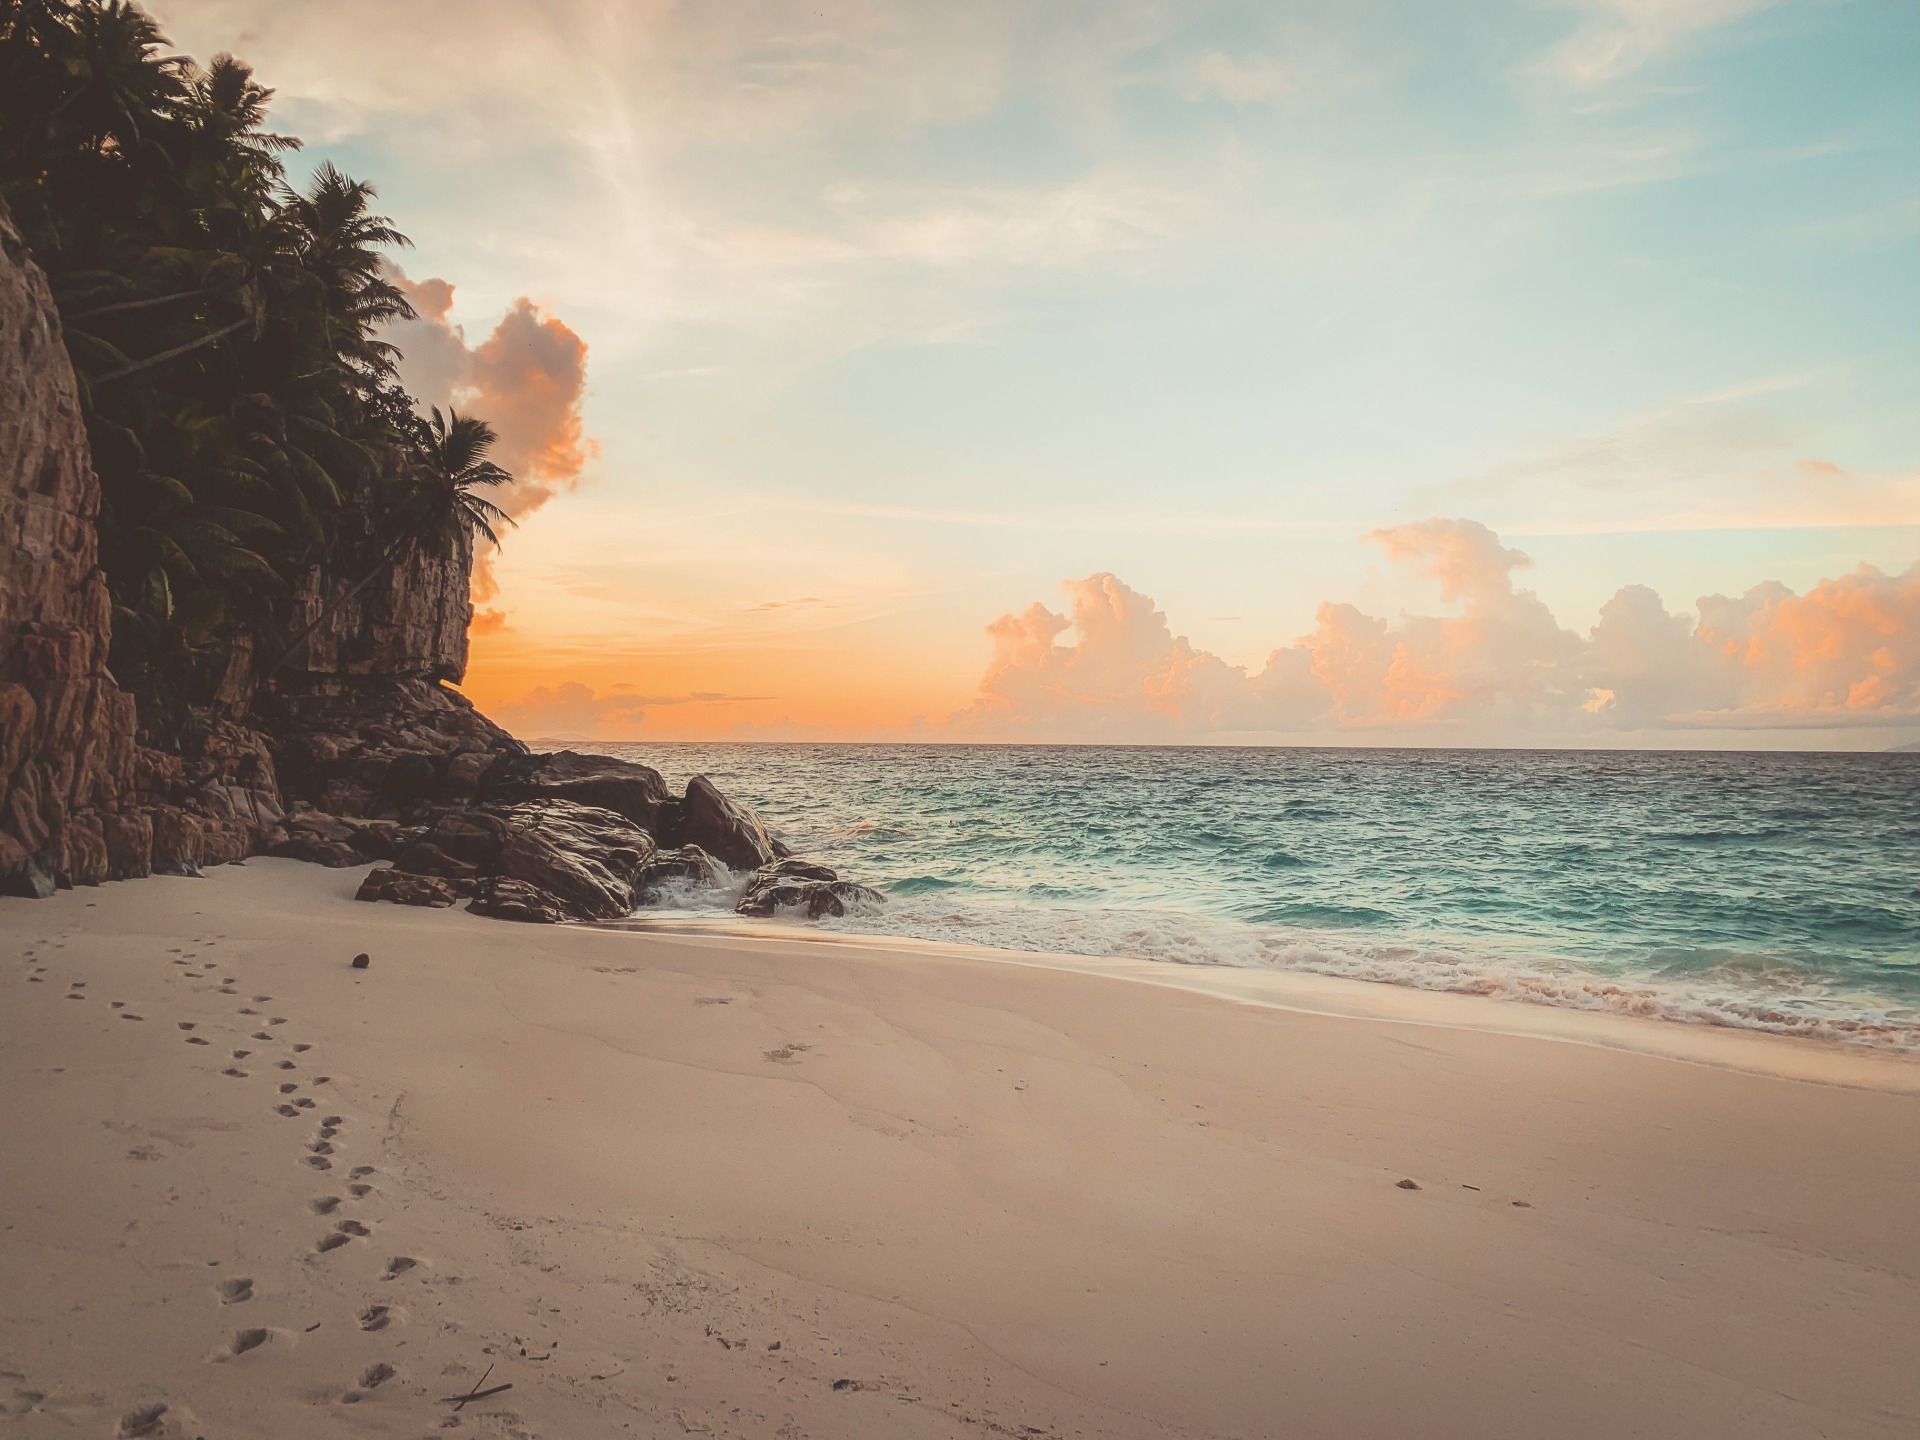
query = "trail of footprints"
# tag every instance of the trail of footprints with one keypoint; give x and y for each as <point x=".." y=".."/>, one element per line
<point x="318" y="1153"/>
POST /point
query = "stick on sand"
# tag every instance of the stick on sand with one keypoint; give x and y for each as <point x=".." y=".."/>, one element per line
<point x="459" y="1401"/>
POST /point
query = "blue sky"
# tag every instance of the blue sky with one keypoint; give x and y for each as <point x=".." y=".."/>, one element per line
<point x="914" y="311"/>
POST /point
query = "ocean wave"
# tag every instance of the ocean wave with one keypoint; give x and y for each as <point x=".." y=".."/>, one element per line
<point x="1778" y="998"/>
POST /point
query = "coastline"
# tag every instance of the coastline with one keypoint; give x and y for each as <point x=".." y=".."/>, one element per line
<point x="1758" y="1052"/>
<point x="992" y="1194"/>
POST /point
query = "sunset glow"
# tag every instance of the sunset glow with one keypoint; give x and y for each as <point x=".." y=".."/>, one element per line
<point x="838" y="349"/>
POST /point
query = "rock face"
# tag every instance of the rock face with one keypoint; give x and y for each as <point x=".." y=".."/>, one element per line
<point x="622" y="786"/>
<point x="799" y="887"/>
<point x="66" y="730"/>
<point x="410" y="621"/>
<point x="534" y="860"/>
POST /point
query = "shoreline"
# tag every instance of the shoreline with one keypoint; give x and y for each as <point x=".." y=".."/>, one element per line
<point x="800" y="1187"/>
<point x="1755" y="1051"/>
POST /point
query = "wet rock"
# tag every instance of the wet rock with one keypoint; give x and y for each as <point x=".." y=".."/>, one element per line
<point x="729" y="832"/>
<point x="801" y="888"/>
<point x="689" y="868"/>
<point x="402" y="888"/>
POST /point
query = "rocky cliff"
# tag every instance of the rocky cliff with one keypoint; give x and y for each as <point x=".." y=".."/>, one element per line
<point x="66" y="730"/>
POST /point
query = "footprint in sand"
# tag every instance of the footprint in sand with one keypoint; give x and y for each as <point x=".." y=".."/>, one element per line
<point x="359" y="1192"/>
<point x="241" y="1054"/>
<point x="261" y="1035"/>
<point x="286" y="1110"/>
<point x="375" y="1317"/>
<point x="316" y="1162"/>
<point x="232" y="1292"/>
<point x="331" y="1242"/>
<point x="353" y="1227"/>
<point x="287" y="1087"/>
<point x="360" y="1172"/>
<point x="304" y="1103"/>
<point x="324" y="1204"/>
<point x="376" y="1375"/>
<point x="284" y="1065"/>
<point x="236" y="1073"/>
<point x="248" y="1010"/>
<point x="249" y="1340"/>
<point x="143" y="1420"/>
<point x="196" y="1040"/>
<point x="129" y="1015"/>
<point x="301" y="1049"/>
<point x="261" y="999"/>
<point x="399" y="1265"/>
<point x="186" y="1024"/>
<point x="118" y="1004"/>
<point x="322" y="1079"/>
<point x="278" y="1020"/>
<point x="320" y="1147"/>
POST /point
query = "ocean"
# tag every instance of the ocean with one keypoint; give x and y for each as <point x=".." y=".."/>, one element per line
<point x="1770" y="891"/>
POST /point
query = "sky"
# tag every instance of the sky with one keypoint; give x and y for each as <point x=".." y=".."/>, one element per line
<point x="1453" y="372"/>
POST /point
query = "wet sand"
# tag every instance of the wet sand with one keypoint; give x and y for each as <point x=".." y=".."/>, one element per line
<point x="671" y="1184"/>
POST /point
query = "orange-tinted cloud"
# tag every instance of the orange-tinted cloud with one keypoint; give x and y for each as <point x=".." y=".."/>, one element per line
<point x="526" y="379"/>
<point x="1847" y="652"/>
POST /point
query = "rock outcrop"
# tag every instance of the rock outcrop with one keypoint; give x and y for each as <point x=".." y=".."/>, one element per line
<point x="66" y="730"/>
<point x="802" y="888"/>
<point x="533" y="860"/>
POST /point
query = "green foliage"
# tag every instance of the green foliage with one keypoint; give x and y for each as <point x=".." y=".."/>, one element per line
<point x="246" y="421"/>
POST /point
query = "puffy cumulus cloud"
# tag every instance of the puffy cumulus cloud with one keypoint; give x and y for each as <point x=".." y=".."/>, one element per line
<point x="526" y="379"/>
<point x="573" y="711"/>
<point x="1848" y="652"/>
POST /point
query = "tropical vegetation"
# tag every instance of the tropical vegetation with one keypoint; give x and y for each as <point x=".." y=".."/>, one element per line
<point x="246" y="418"/>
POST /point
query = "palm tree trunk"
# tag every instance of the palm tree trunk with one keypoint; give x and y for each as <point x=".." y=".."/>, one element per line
<point x="165" y="355"/>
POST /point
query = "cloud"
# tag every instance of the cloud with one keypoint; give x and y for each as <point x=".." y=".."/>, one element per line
<point x="572" y="710"/>
<point x="1847" y="652"/>
<point x="526" y="379"/>
<point x="1617" y="37"/>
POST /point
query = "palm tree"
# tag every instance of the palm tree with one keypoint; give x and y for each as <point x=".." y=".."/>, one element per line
<point x="439" y="502"/>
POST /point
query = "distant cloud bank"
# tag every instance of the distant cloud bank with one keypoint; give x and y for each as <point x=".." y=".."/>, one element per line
<point x="1846" y="653"/>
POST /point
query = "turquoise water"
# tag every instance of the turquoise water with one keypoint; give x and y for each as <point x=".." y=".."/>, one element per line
<point x="1773" y="891"/>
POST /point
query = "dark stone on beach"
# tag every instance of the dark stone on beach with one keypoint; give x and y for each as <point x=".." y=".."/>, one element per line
<point x="689" y="865"/>
<point x="800" y="888"/>
<point x="403" y="888"/>
<point x="731" y="833"/>
<point x="1407" y="1184"/>
<point x="362" y="960"/>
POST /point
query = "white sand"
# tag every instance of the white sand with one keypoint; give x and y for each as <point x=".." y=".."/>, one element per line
<point x="992" y="1199"/>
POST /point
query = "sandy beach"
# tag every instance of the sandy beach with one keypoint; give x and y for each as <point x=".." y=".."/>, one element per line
<point x="668" y="1184"/>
